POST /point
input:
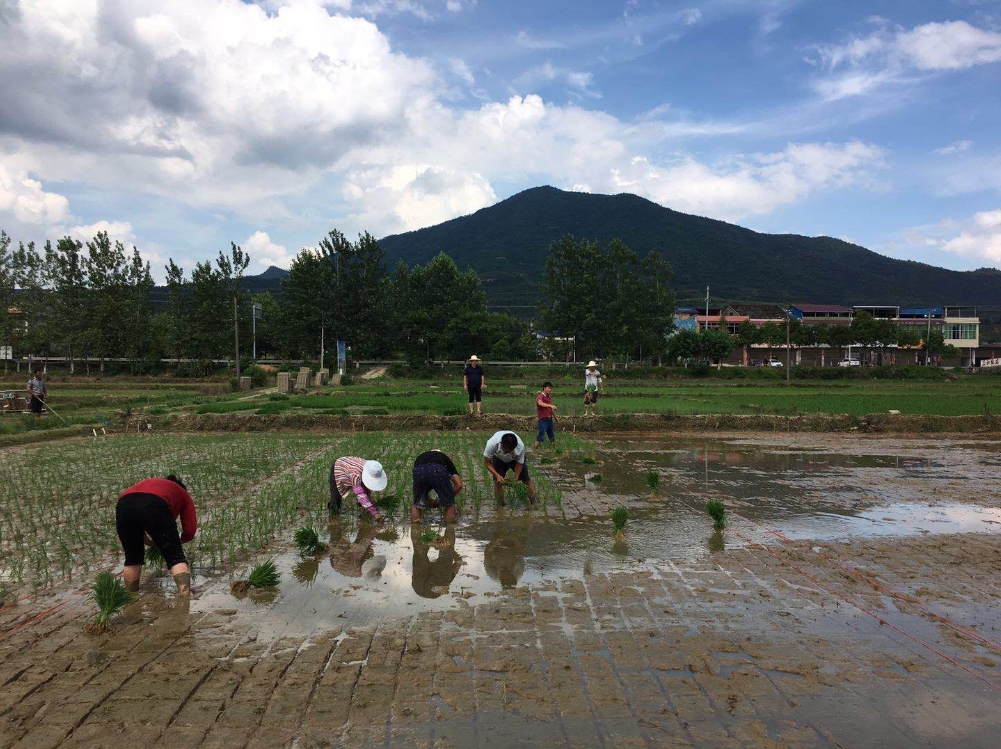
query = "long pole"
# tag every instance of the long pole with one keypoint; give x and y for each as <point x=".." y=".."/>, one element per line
<point x="236" y="338"/>
<point x="788" y="349"/>
<point x="928" y="340"/>
<point x="254" y="323"/>
<point x="321" y="345"/>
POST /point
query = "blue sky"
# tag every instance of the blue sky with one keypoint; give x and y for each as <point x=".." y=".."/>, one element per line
<point x="182" y="126"/>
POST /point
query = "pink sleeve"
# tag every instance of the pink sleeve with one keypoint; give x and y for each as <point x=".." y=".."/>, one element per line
<point x="364" y="501"/>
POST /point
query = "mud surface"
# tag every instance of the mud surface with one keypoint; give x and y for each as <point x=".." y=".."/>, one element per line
<point x="801" y="624"/>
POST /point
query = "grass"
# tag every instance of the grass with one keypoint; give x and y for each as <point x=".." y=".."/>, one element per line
<point x="111" y="596"/>
<point x="717" y="511"/>
<point x="307" y="541"/>
<point x="264" y="575"/>
<point x="620" y="515"/>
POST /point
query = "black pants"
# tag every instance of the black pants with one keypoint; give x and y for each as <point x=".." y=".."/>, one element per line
<point x="139" y="513"/>
<point x="334" y="505"/>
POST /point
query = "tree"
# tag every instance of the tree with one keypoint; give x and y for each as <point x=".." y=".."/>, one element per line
<point x="66" y="272"/>
<point x="683" y="346"/>
<point x="439" y="311"/>
<point x="106" y="274"/>
<point x="136" y="324"/>
<point x="607" y="298"/>
<point x="714" y="345"/>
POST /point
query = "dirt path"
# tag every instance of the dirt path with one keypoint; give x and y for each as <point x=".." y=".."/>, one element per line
<point x="741" y="648"/>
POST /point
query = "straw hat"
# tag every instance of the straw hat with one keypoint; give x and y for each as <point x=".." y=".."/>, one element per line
<point x="592" y="363"/>
<point x="373" y="477"/>
<point x="474" y="357"/>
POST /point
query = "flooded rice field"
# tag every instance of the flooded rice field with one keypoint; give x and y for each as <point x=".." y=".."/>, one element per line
<point x="850" y="601"/>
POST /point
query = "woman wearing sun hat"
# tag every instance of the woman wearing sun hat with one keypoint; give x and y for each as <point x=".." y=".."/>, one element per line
<point x="592" y="387"/>
<point x="360" y="476"/>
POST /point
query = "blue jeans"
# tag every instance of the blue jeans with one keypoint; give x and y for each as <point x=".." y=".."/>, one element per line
<point x="546" y="427"/>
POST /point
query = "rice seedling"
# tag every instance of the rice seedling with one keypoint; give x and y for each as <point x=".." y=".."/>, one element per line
<point x="619" y="517"/>
<point x="154" y="558"/>
<point x="388" y="504"/>
<point x="111" y="596"/>
<point x="307" y="541"/>
<point x="594" y="478"/>
<point x="717" y="511"/>
<point x="653" y="480"/>
<point x="264" y="575"/>
<point x="427" y="537"/>
<point x="588" y="460"/>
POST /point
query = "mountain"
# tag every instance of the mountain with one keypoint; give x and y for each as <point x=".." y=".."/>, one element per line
<point x="507" y="245"/>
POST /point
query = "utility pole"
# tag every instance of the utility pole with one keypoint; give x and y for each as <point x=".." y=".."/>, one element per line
<point x="928" y="340"/>
<point x="236" y="338"/>
<point x="707" y="306"/>
<point x="788" y="349"/>
<point x="321" y="345"/>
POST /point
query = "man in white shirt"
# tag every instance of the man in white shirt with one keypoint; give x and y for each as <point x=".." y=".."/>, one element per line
<point x="506" y="452"/>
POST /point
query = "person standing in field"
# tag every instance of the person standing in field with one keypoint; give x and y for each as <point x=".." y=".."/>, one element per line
<point x="359" y="476"/>
<point x="506" y="452"/>
<point x="38" y="392"/>
<point x="592" y="387"/>
<point x="435" y="471"/>
<point x="148" y="512"/>
<point x="546" y="413"/>
<point x="473" y="382"/>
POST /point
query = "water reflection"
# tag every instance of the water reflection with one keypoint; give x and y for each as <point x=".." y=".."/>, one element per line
<point x="306" y="570"/>
<point x="716" y="542"/>
<point x="432" y="576"/>
<point x="504" y="555"/>
<point x="347" y="556"/>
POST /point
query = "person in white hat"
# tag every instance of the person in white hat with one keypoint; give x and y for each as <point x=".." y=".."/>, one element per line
<point x="592" y="387"/>
<point x="473" y="382"/>
<point x="359" y="476"/>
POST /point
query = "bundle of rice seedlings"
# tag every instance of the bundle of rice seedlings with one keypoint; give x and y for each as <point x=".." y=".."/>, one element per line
<point x="428" y="536"/>
<point x="264" y="575"/>
<point x="619" y="517"/>
<point x="595" y="477"/>
<point x="717" y="512"/>
<point x="154" y="557"/>
<point x="388" y="504"/>
<point x="520" y="491"/>
<point x="588" y="461"/>
<point x="653" y="480"/>
<point x="307" y="541"/>
<point x="111" y="596"/>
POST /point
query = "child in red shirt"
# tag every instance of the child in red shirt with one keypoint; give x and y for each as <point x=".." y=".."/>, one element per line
<point x="546" y="412"/>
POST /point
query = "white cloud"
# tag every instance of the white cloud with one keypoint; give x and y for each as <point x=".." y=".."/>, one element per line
<point x="577" y="80"/>
<point x="692" y="16"/>
<point x="118" y="231"/>
<point x="977" y="238"/>
<point x="957" y="147"/>
<point x="753" y="185"/>
<point x="225" y="103"/>
<point x="893" y="54"/>
<point x="24" y="203"/>
<point x="266" y="253"/>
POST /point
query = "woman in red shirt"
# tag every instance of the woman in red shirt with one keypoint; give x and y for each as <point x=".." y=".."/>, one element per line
<point x="149" y="510"/>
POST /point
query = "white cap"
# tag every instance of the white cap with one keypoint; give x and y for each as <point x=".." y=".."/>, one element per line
<point x="373" y="477"/>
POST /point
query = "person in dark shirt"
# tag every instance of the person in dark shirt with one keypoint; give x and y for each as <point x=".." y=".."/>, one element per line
<point x="149" y="511"/>
<point x="473" y="382"/>
<point x="435" y="471"/>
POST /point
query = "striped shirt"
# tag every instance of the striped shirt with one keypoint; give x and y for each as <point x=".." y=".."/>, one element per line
<point x="347" y="476"/>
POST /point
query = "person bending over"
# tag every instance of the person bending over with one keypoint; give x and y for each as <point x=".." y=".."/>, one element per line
<point x="506" y="452"/>
<point x="435" y="472"/>
<point x="358" y="476"/>
<point x="149" y="511"/>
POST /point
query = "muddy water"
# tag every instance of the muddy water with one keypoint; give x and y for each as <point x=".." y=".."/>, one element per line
<point x="372" y="572"/>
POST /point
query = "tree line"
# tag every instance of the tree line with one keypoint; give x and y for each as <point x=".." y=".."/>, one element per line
<point x="97" y="300"/>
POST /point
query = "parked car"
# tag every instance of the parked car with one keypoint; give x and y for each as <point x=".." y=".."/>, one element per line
<point x="775" y="363"/>
<point x="849" y="363"/>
